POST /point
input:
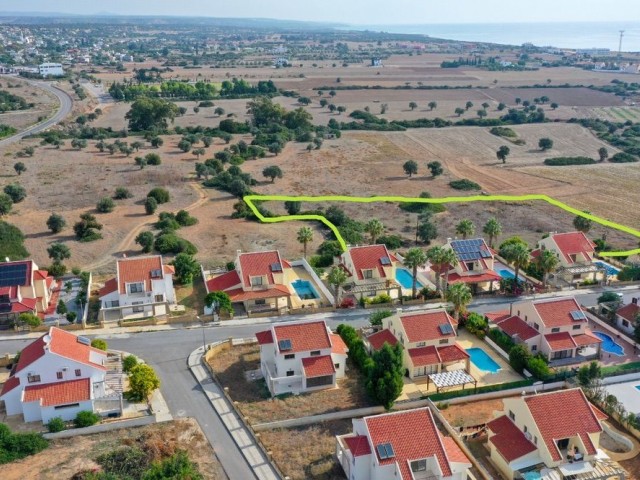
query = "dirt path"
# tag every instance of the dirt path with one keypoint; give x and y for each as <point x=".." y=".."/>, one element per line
<point x="128" y="241"/>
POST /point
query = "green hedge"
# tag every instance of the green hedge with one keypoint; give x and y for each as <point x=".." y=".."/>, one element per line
<point x="563" y="161"/>
<point x="622" y="157"/>
<point x="503" y="132"/>
<point x="464" y="184"/>
<point x="620" y="369"/>
<point x="436" y="397"/>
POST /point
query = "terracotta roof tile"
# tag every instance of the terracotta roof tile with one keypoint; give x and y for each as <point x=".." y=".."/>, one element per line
<point x="264" y="337"/>
<point x="358" y="445"/>
<point x="412" y="434"/>
<point x="139" y="269"/>
<point x="25" y="305"/>
<point x="337" y="345"/>
<point x="560" y="341"/>
<point x="629" y="312"/>
<point x="508" y="439"/>
<point x="421" y="327"/>
<point x="304" y="336"/>
<point x="424" y="356"/>
<point x="452" y="353"/>
<point x="378" y="339"/>
<point x="59" y="393"/>
<point x="454" y="453"/>
<point x="30" y="354"/>
<point x="257" y="264"/>
<point x="515" y="326"/>
<point x="10" y="384"/>
<point x="318" y="366"/>
<point x="368" y="258"/>
<point x="573" y="243"/>
<point x="483" y="277"/>
<point x="11" y="291"/>
<point x="239" y="295"/>
<point x="495" y="317"/>
<point x="555" y="421"/>
<point x="586" y="339"/>
<point x="557" y="313"/>
<point x="110" y="286"/>
<point x="224" y="282"/>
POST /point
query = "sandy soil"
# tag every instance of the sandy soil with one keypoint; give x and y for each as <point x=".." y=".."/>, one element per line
<point x="45" y="103"/>
<point x="66" y="457"/>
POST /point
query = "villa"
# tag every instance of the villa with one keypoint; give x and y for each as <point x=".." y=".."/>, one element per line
<point x="301" y="357"/>
<point x="371" y="270"/>
<point x="24" y="289"/>
<point x="474" y="266"/>
<point x="428" y="339"/>
<point x="405" y="445"/>
<point x="142" y="287"/>
<point x="539" y="434"/>
<point x="628" y="316"/>
<point x="557" y="328"/>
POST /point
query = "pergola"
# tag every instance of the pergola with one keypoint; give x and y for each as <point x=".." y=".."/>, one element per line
<point x="451" y="379"/>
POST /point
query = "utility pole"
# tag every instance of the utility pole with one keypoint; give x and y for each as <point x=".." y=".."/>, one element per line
<point x="620" y="44"/>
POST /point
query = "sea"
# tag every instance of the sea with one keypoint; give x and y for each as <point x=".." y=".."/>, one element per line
<point x="558" y="34"/>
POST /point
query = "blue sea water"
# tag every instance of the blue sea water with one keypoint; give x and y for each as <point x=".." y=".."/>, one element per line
<point x="557" y="34"/>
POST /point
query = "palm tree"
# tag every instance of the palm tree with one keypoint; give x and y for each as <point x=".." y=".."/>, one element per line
<point x="415" y="257"/>
<point x="466" y="228"/>
<point x="305" y="235"/>
<point x="459" y="294"/>
<point x="518" y="255"/>
<point x="435" y="255"/>
<point x="547" y="262"/>
<point x="337" y="278"/>
<point x="374" y="227"/>
<point x="492" y="229"/>
<point x="448" y="258"/>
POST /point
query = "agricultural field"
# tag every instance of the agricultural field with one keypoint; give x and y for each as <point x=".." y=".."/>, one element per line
<point x="45" y="103"/>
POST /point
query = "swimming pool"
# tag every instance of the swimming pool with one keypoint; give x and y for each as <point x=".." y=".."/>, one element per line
<point x="482" y="360"/>
<point x="508" y="274"/>
<point x="305" y="290"/>
<point x="531" y="475"/>
<point x="405" y="279"/>
<point x="608" y="345"/>
<point x="611" y="270"/>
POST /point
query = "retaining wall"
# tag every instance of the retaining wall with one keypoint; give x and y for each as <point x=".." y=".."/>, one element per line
<point x="103" y="427"/>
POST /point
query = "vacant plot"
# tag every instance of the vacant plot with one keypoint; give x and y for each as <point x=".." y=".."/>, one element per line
<point x="579" y="97"/>
<point x="44" y="103"/>
<point x="257" y="405"/>
<point x="472" y="413"/>
<point x="66" y="457"/>
<point x="307" y="452"/>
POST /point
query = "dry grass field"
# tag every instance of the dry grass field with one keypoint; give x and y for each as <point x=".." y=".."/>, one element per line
<point x="44" y="103"/>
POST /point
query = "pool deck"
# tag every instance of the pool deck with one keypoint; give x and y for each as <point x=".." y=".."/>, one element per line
<point x="296" y="302"/>
<point x="630" y="353"/>
<point x="628" y="394"/>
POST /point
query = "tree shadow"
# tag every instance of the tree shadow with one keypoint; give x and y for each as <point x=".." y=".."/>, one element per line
<point x="398" y="178"/>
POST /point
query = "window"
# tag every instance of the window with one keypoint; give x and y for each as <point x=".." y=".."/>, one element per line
<point x="512" y="415"/>
<point x="336" y="366"/>
<point x="469" y="265"/>
<point x="535" y="440"/>
<point x="115" y="303"/>
<point x="534" y="348"/>
<point x="261" y="301"/>
<point x="444" y="341"/>
<point x="525" y="429"/>
<point x="555" y="330"/>
<point x="68" y="405"/>
<point x="289" y="356"/>
<point x="256" y="281"/>
<point x="526" y="318"/>
<point x="518" y="312"/>
<point x="78" y="372"/>
<point x="536" y="326"/>
<point x="159" y="298"/>
<point x="320" y="381"/>
<point x="315" y="353"/>
<point x="290" y="373"/>
<point x="421" y="344"/>
<point x="625" y="323"/>
<point x="33" y="378"/>
<point x="137" y="307"/>
<point x="59" y="375"/>
<point x="419" y="466"/>
<point x="367" y="274"/>
<point x="136" y="287"/>
<point x="577" y="327"/>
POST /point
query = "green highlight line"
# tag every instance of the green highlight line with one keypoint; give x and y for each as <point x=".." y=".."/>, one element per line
<point x="249" y="199"/>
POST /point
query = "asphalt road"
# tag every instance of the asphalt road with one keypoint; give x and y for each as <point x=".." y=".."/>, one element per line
<point x="167" y="352"/>
<point x="66" y="104"/>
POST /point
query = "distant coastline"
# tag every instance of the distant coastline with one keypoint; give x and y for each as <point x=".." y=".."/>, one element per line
<point x="560" y="34"/>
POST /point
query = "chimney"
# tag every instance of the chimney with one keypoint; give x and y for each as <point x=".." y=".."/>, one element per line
<point x="238" y="252"/>
<point x="124" y="255"/>
<point x="634" y="300"/>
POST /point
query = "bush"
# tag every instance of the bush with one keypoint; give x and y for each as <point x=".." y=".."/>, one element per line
<point x="538" y="368"/>
<point x="152" y="159"/>
<point x="184" y="219"/>
<point x="56" y="425"/>
<point x="376" y="317"/>
<point x="14" y="446"/>
<point x="86" y="418"/>
<point x="150" y="205"/>
<point x="382" y="298"/>
<point x="105" y="205"/>
<point x="122" y="193"/>
<point x="476" y="324"/>
<point x="142" y="381"/>
<point x="129" y="362"/>
<point x="501" y="339"/>
<point x="519" y="357"/>
<point x="172" y="243"/>
<point x="16" y="192"/>
<point x="622" y="157"/>
<point x="12" y="245"/>
<point x="391" y="241"/>
<point x="563" y="161"/>
<point x="129" y="462"/>
<point x="99" y="344"/>
<point x="503" y="132"/>
<point x="160" y="195"/>
<point x="464" y="184"/>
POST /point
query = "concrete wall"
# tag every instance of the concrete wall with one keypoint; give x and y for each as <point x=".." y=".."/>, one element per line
<point x="318" y="283"/>
<point x="103" y="427"/>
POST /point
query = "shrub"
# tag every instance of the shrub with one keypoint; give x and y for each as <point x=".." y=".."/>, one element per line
<point x="184" y="219"/>
<point x="71" y="316"/>
<point x="348" y="302"/>
<point x="56" y="425"/>
<point x="14" y="446"/>
<point x="391" y="241"/>
<point x="622" y="157"/>
<point x="382" y="298"/>
<point x="160" y="195"/>
<point x="152" y="159"/>
<point x="502" y="339"/>
<point x="122" y="193"/>
<point x="142" y="381"/>
<point x="56" y="223"/>
<point x="171" y="243"/>
<point x="105" y="205"/>
<point x="16" y="192"/>
<point x="464" y="184"/>
<point x="376" y="317"/>
<point x="86" y="418"/>
<point x="519" y="357"/>
<point x="129" y="462"/>
<point x="29" y="319"/>
<point x="150" y="205"/>
<point x="503" y="132"/>
<point x="563" y="161"/>
<point x="129" y="362"/>
<point x="476" y="324"/>
<point x="12" y="244"/>
<point x="538" y="368"/>
<point x="99" y="344"/>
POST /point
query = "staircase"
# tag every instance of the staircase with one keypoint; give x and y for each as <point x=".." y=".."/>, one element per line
<point x="114" y="378"/>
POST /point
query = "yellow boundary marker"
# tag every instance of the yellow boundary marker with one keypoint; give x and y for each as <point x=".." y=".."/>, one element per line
<point x="249" y="199"/>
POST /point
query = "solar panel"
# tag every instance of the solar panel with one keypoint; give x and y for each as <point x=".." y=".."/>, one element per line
<point x="578" y="315"/>
<point x="284" y="345"/>
<point x="5" y="307"/>
<point x="389" y="449"/>
<point x="385" y="261"/>
<point x="385" y="450"/>
<point x="445" y="329"/>
<point x="84" y="340"/>
<point x="276" y="267"/>
<point x="4" y="299"/>
<point x="485" y="253"/>
<point x="13" y="274"/>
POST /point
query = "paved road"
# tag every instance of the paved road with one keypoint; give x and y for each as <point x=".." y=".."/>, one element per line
<point x="66" y="104"/>
<point x="167" y="351"/>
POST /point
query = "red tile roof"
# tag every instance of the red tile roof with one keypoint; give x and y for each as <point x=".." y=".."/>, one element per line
<point x="560" y="341"/>
<point x="59" y="393"/>
<point x="12" y="291"/>
<point x="629" y="312"/>
<point x="412" y="434"/>
<point x="110" y="286"/>
<point x="508" y="439"/>
<point x="586" y="339"/>
<point x="573" y="243"/>
<point x="423" y="356"/>
<point x="495" y="317"/>
<point x="169" y="269"/>
<point x="257" y="264"/>
<point x="224" y="282"/>
<point x="483" y="277"/>
<point x="30" y="354"/>
<point x="421" y="327"/>
<point x="264" y="337"/>
<point x="368" y="258"/>
<point x="10" y="384"/>
<point x="337" y="345"/>
<point x="239" y="295"/>
<point x="378" y="339"/>
<point x="454" y="453"/>
<point x="24" y="306"/>
<point x="318" y="366"/>
<point x="514" y="325"/>
<point x="304" y="336"/>
<point x="131" y="270"/>
<point x="557" y="313"/>
<point x="28" y="277"/>
<point x="556" y="422"/>
<point x="452" y="353"/>
<point x="358" y="445"/>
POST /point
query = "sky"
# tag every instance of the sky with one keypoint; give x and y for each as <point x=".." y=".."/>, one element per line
<point x="355" y="12"/>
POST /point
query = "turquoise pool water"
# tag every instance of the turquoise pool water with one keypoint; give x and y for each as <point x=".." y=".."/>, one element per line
<point x="482" y="360"/>
<point x="506" y="274"/>
<point x="609" y="345"/>
<point x="611" y="270"/>
<point x="405" y="279"/>
<point x="305" y="290"/>
<point x="531" y="476"/>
